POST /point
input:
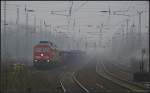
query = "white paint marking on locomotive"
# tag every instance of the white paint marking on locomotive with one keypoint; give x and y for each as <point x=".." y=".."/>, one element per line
<point x="62" y="86"/>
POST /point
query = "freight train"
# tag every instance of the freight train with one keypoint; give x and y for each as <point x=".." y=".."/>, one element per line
<point x="46" y="55"/>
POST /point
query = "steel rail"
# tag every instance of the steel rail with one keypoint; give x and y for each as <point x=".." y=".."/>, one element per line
<point x="123" y="71"/>
<point x="62" y="86"/>
<point x="124" y="83"/>
<point x="79" y="84"/>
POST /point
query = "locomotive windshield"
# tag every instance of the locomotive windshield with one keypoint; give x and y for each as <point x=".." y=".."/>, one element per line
<point x="41" y="50"/>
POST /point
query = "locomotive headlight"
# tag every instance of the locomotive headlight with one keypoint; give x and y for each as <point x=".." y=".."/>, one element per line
<point x="47" y="60"/>
<point x="41" y="54"/>
<point x="35" y="60"/>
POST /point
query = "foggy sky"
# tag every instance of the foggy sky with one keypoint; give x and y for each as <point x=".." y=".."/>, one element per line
<point x="86" y="15"/>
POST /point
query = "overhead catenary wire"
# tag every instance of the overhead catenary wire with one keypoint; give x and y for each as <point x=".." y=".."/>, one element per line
<point x="83" y="4"/>
<point x="80" y="6"/>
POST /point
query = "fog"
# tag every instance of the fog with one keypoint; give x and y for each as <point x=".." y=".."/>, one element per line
<point x="99" y="34"/>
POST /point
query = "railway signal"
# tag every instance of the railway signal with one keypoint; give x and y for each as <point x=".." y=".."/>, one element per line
<point x="142" y="63"/>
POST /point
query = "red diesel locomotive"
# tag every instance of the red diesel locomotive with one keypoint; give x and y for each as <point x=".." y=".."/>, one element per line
<point x="45" y="54"/>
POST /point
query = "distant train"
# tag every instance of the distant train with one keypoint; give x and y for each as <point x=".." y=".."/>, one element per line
<point x="46" y="54"/>
<point x="75" y="55"/>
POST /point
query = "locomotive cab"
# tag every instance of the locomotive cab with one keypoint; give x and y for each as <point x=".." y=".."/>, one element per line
<point x="45" y="55"/>
<point x="42" y="53"/>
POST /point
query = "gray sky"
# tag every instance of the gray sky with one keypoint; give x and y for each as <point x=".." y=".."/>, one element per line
<point x="88" y="11"/>
<point x="86" y="15"/>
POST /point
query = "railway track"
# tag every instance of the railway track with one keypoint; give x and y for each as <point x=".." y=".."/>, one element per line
<point x="60" y="80"/>
<point x="53" y="79"/>
<point x="36" y="81"/>
<point x="67" y="80"/>
<point x="94" y="83"/>
<point x="121" y="67"/>
<point x="79" y="84"/>
<point x="122" y="82"/>
<point x="121" y="73"/>
<point x="69" y="85"/>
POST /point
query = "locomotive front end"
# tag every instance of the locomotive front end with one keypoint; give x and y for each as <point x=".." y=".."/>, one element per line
<point x="42" y="55"/>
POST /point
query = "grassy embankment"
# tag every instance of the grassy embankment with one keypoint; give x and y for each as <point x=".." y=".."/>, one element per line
<point x="15" y="78"/>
